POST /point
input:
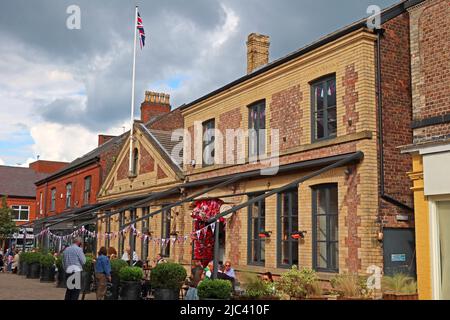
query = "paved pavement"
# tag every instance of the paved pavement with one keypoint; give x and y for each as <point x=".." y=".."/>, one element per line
<point x="15" y="287"/>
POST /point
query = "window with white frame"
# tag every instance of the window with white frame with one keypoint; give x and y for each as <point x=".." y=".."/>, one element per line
<point x="21" y="213"/>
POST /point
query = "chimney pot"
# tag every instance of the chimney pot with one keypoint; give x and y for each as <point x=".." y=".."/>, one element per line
<point x="257" y="51"/>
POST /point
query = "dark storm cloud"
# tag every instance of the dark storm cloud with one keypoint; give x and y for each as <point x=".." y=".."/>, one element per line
<point x="176" y="32"/>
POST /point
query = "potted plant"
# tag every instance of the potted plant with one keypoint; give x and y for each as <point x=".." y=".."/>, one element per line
<point x="86" y="274"/>
<point x="130" y="283"/>
<point x="34" y="267"/>
<point x="47" y="268"/>
<point x="298" y="284"/>
<point x="61" y="275"/>
<point x="257" y="289"/>
<point x="167" y="279"/>
<point x="399" y="287"/>
<point x="217" y="289"/>
<point x="23" y="263"/>
<point x="116" y="266"/>
<point x="351" y="286"/>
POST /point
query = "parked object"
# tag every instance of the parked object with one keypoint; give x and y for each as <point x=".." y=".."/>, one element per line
<point x="130" y="283"/>
<point x="167" y="279"/>
<point x="399" y="287"/>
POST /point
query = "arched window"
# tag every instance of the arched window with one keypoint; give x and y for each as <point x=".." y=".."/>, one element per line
<point x="135" y="161"/>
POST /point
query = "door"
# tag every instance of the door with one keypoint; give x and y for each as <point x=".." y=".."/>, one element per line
<point x="399" y="251"/>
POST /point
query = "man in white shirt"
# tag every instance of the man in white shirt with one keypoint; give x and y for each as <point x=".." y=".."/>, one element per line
<point x="126" y="256"/>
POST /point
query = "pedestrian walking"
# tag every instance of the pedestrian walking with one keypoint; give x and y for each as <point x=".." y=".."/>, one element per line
<point x="102" y="273"/>
<point x="73" y="261"/>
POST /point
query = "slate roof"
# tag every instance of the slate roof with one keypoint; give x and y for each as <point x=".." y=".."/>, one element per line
<point x="18" y="181"/>
<point x="87" y="158"/>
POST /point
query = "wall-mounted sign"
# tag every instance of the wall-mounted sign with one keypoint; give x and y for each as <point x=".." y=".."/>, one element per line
<point x="398" y="257"/>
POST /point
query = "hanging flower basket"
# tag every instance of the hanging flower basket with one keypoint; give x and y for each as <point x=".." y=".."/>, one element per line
<point x="264" y="234"/>
<point x="298" y="235"/>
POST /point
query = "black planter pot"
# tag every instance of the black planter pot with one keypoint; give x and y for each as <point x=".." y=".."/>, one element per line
<point x="86" y="280"/>
<point x="25" y="267"/>
<point x="47" y="274"/>
<point x="20" y="271"/>
<point x="61" y="279"/>
<point x="167" y="294"/>
<point x="113" y="291"/>
<point x="130" y="290"/>
<point x="34" y="270"/>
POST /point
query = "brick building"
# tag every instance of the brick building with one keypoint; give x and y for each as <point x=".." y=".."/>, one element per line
<point x="73" y="190"/>
<point x="336" y="202"/>
<point x="430" y="72"/>
<point x="17" y="184"/>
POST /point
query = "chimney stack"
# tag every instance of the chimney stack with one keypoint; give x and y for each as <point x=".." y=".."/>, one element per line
<point x="103" y="138"/>
<point x="257" y="51"/>
<point x="155" y="104"/>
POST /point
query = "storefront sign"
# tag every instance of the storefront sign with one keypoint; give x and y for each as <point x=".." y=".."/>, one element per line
<point x="398" y="257"/>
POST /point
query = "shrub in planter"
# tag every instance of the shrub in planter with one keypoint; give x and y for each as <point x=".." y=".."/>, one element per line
<point x="130" y="281"/>
<point x="351" y="286"/>
<point x="399" y="287"/>
<point x="167" y="279"/>
<point x="116" y="266"/>
<point x="34" y="267"/>
<point x="47" y="262"/>
<point x="256" y="288"/>
<point x="23" y="263"/>
<point x="61" y="277"/>
<point x="298" y="284"/>
<point x="214" y="289"/>
<point x="86" y="275"/>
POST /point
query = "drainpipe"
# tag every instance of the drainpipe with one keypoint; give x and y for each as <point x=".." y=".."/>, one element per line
<point x="383" y="194"/>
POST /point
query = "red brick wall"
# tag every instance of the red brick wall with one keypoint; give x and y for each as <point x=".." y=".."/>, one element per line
<point x="230" y="120"/>
<point x="77" y="180"/>
<point x="286" y="116"/>
<point x="169" y="122"/>
<point x="30" y="202"/>
<point x="122" y="171"/>
<point x="350" y="98"/>
<point x="432" y="75"/>
<point x="146" y="162"/>
<point x="160" y="173"/>
<point x="397" y="112"/>
<point x="352" y="221"/>
<point x="151" y="109"/>
<point x="44" y="166"/>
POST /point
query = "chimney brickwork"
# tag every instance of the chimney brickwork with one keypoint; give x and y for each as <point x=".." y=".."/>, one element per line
<point x="155" y="104"/>
<point x="257" y="51"/>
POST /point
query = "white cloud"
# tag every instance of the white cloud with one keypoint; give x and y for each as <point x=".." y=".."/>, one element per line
<point x="228" y="28"/>
<point x="62" y="143"/>
<point x="2" y="162"/>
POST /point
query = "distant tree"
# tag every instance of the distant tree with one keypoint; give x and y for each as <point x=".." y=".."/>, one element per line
<point x="7" y="225"/>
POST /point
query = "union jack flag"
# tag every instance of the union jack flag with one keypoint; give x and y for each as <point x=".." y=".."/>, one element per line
<point x="140" y="28"/>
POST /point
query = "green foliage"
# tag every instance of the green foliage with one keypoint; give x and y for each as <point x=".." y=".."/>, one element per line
<point x="117" y="265"/>
<point x="350" y="285"/>
<point x="89" y="264"/>
<point x="298" y="283"/>
<point x="23" y="256"/>
<point x="168" y="276"/>
<point x="214" y="289"/>
<point x="47" y="260"/>
<point x="34" y="257"/>
<point x="59" y="262"/>
<point x="256" y="288"/>
<point x="131" y="274"/>
<point x="399" y="283"/>
<point x="7" y="225"/>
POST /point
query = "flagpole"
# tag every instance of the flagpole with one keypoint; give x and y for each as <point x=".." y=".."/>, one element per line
<point x="132" y="91"/>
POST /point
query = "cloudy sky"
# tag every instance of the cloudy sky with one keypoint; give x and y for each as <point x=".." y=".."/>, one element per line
<point x="59" y="88"/>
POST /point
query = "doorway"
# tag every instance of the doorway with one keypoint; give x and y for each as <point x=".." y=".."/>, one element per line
<point x="399" y="251"/>
<point x="222" y="240"/>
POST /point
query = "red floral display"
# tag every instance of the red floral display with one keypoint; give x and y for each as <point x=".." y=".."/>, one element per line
<point x="204" y="240"/>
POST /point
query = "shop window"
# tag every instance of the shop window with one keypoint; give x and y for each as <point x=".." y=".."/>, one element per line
<point x="323" y="101"/>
